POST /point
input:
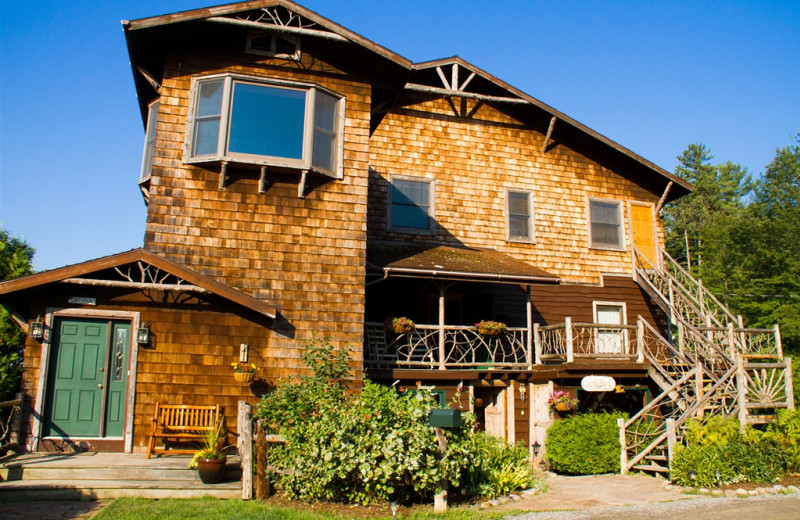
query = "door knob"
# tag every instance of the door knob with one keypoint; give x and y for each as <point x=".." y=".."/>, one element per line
<point x="99" y="386"/>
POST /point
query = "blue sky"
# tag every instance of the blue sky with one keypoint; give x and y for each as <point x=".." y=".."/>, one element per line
<point x="653" y="76"/>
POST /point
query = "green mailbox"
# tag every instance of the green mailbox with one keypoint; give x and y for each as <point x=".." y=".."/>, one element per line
<point x="444" y="418"/>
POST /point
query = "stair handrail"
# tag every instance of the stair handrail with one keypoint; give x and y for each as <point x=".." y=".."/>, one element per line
<point x="672" y="352"/>
<point x="702" y="291"/>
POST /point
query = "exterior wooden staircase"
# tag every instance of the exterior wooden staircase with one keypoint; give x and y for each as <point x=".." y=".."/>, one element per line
<point x="90" y="476"/>
<point x="711" y="366"/>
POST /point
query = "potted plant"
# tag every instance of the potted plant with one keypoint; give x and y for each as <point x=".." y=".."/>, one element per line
<point x="211" y="459"/>
<point x="490" y="328"/>
<point x="562" y="401"/>
<point x="399" y="325"/>
<point x="243" y="372"/>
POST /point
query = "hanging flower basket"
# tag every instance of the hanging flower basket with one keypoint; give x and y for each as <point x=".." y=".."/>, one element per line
<point x="398" y="325"/>
<point x="562" y="401"/>
<point x="490" y="328"/>
<point x="244" y="377"/>
<point x="243" y="372"/>
<point x="562" y="407"/>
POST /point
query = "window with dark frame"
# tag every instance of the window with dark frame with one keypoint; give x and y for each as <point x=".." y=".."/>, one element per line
<point x="605" y="219"/>
<point x="410" y="204"/>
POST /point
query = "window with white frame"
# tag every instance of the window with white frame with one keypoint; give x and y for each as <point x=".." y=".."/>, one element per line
<point x="410" y="204"/>
<point x="275" y="45"/>
<point x="605" y="224"/>
<point x="149" y="142"/>
<point x="519" y="216"/>
<point x="610" y="340"/>
<point x="248" y="120"/>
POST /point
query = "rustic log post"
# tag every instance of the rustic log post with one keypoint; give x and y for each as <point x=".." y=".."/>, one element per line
<point x="672" y="440"/>
<point x="529" y="323"/>
<point x="262" y="479"/>
<point x="698" y="386"/>
<point x="700" y="297"/>
<point x="741" y="388"/>
<point x="537" y="342"/>
<point x="440" y="499"/>
<point x="568" y="339"/>
<point x="15" y="434"/>
<point x="789" y="386"/>
<point x="732" y="341"/>
<point x="441" y="329"/>
<point x="623" y="452"/>
<point x="671" y="293"/>
<point x="245" y="446"/>
<point x="640" y="346"/>
<point x="778" y="344"/>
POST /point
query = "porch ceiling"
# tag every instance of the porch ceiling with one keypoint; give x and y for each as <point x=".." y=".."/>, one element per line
<point x="451" y="263"/>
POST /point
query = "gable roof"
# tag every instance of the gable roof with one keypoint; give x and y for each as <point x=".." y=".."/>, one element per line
<point x="183" y="274"/>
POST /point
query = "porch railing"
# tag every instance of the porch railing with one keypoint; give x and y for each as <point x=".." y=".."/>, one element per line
<point x="433" y="347"/>
<point x="569" y="340"/>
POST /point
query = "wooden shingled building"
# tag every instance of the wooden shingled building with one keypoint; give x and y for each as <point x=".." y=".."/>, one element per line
<point x="302" y="181"/>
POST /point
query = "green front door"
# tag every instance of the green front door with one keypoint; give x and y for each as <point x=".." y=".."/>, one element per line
<point x="87" y="378"/>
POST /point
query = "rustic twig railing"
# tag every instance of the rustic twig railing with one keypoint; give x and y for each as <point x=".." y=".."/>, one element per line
<point x="10" y="423"/>
<point x="569" y="340"/>
<point x="431" y="347"/>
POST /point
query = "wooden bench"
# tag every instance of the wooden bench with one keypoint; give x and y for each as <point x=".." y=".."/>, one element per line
<point x="181" y="423"/>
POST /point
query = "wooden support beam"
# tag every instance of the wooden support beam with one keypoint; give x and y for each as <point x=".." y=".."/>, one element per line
<point x="301" y="188"/>
<point x="663" y="198"/>
<point x="549" y="133"/>
<point x="278" y="28"/>
<point x="244" y="428"/>
<point x="136" y="285"/>
<point x="262" y="182"/>
<point x="223" y="174"/>
<point x="450" y="92"/>
<point x="454" y="77"/>
<point x="444" y="79"/>
<point x="466" y="82"/>
<point x="150" y="78"/>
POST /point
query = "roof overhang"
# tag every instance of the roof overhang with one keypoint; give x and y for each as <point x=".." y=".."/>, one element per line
<point x="171" y="277"/>
<point x="439" y="262"/>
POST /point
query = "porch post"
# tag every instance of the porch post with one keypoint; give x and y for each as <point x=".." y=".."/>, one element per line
<point x="537" y="342"/>
<point x="623" y="451"/>
<point x="731" y="341"/>
<point x="529" y="316"/>
<point x="441" y="328"/>
<point x="244" y="428"/>
<point x="568" y="339"/>
<point x="789" y="387"/>
<point x="778" y="343"/>
<point x="640" y="340"/>
<point x="741" y="397"/>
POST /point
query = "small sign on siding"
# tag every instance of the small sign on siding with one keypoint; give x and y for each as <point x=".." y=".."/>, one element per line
<point x="80" y="300"/>
<point x="598" y="383"/>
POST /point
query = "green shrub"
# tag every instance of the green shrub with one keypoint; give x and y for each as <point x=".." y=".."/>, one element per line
<point x="374" y="446"/>
<point x="785" y="430"/>
<point x="497" y="468"/>
<point x="584" y="444"/>
<point x="720" y="446"/>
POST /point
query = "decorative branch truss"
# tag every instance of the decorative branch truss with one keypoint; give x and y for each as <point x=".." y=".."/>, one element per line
<point x="140" y="275"/>
<point x="454" y="86"/>
<point x="280" y="19"/>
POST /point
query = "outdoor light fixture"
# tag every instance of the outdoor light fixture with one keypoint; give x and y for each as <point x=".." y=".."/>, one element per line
<point x="36" y="330"/>
<point x="718" y="475"/>
<point x="244" y="352"/>
<point x="692" y="475"/>
<point x="619" y="389"/>
<point x="143" y="335"/>
<point x="394" y="506"/>
<point x="536" y="447"/>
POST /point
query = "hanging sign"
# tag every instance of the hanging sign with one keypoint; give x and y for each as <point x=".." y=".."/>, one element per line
<point x="598" y="383"/>
<point x="79" y="300"/>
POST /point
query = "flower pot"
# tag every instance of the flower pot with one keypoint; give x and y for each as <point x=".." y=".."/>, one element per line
<point x="211" y="470"/>
<point x="489" y="332"/>
<point x="398" y="329"/>
<point x="244" y="377"/>
<point x="563" y="407"/>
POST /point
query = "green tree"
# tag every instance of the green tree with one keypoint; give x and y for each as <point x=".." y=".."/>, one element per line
<point x="15" y="260"/>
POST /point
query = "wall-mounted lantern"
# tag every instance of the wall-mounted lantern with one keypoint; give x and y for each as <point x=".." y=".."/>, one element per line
<point x="36" y="330"/>
<point x="143" y="335"/>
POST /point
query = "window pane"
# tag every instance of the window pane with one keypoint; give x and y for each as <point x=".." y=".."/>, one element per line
<point x="322" y="156"/>
<point x="206" y="136"/>
<point x="518" y="204"/>
<point x="210" y="99"/>
<point x="149" y="141"/>
<point x="410" y="192"/>
<point x="410" y="217"/>
<point x="606" y="225"/>
<point x="267" y="121"/>
<point x="518" y="226"/>
<point x="325" y="111"/>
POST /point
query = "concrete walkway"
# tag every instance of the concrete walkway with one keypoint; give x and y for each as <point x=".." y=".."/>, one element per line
<point x="573" y="493"/>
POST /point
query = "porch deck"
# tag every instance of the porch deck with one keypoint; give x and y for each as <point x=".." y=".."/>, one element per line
<point x="88" y="476"/>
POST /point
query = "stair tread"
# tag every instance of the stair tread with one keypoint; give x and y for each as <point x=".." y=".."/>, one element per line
<point x="194" y="483"/>
<point x="651" y="467"/>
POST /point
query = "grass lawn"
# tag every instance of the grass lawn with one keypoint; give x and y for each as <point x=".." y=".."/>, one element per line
<point x="212" y="509"/>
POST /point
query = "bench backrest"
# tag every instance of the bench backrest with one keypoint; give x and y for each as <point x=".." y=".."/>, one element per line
<point x="186" y="417"/>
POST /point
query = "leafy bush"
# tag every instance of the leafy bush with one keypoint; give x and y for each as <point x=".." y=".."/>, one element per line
<point x="498" y="467"/>
<point x="720" y="446"/>
<point x="785" y="430"/>
<point x="584" y="444"/>
<point x="361" y="448"/>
